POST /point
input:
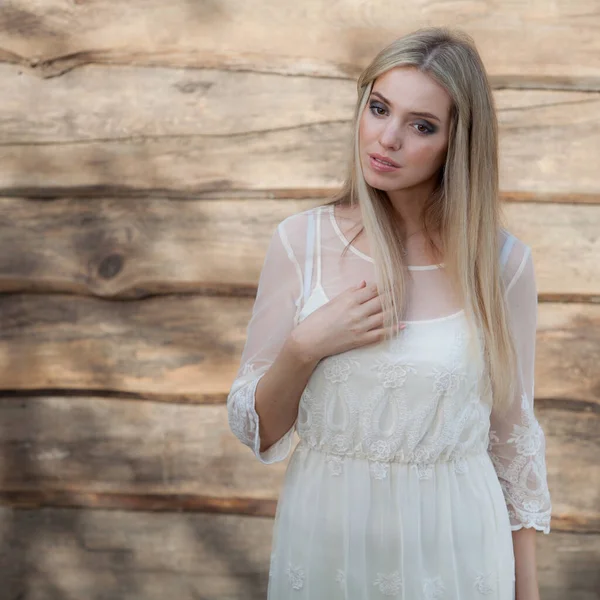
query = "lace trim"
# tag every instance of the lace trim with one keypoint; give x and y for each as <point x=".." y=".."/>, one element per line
<point x="539" y="521"/>
<point x="244" y="424"/>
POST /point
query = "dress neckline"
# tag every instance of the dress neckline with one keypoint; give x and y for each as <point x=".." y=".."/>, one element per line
<point x="366" y="257"/>
<point x="318" y="289"/>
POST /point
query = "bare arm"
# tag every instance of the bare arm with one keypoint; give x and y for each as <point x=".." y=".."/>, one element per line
<point x="279" y="391"/>
<point x="525" y="564"/>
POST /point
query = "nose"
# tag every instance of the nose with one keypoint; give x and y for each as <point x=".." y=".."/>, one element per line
<point x="391" y="136"/>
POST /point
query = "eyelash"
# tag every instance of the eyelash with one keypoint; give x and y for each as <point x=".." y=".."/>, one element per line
<point x="430" y="128"/>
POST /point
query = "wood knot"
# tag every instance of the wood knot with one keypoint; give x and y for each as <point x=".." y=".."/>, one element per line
<point x="111" y="266"/>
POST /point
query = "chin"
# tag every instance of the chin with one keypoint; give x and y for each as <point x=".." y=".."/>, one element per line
<point x="381" y="183"/>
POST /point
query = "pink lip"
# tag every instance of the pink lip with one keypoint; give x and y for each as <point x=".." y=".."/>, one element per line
<point x="377" y="166"/>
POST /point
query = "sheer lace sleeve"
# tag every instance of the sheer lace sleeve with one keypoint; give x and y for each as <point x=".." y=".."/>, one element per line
<point x="273" y="317"/>
<point x="517" y="442"/>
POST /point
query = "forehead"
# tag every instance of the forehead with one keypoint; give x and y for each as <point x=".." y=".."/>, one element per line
<point x="409" y="89"/>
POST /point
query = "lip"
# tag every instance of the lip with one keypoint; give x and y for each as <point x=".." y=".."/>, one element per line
<point x="381" y="167"/>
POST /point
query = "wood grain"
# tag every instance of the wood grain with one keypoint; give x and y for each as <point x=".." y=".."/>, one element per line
<point x="132" y="130"/>
<point x="174" y="137"/>
<point x="517" y="42"/>
<point x="187" y="348"/>
<point x="58" y="553"/>
<point x="114" y="248"/>
<point x="102" y="453"/>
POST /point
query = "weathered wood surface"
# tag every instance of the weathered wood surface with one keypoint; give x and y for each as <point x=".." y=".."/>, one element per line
<point x="98" y="452"/>
<point x="102" y="130"/>
<point x="99" y="555"/>
<point x="187" y="348"/>
<point x="177" y="130"/>
<point x="125" y="446"/>
<point x="518" y="43"/>
<point x="100" y="102"/>
<point x="122" y="249"/>
<point x="55" y="554"/>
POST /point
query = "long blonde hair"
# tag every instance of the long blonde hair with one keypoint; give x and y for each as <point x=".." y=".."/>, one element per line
<point x="465" y="208"/>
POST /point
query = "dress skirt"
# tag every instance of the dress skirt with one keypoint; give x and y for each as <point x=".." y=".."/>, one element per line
<point x="349" y="528"/>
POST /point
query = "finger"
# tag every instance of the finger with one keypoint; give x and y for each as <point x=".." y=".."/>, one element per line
<point x="372" y="306"/>
<point x="374" y="321"/>
<point x="366" y="293"/>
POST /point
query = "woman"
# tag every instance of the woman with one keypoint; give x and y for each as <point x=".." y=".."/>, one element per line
<point x="403" y="357"/>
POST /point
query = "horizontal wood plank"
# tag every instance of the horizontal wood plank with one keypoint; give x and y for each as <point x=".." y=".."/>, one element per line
<point x="187" y="348"/>
<point x="118" y="248"/>
<point x="96" y="445"/>
<point x="518" y="42"/>
<point x="58" y="553"/>
<point x="99" y="453"/>
<point x="134" y="130"/>
<point x="568" y="566"/>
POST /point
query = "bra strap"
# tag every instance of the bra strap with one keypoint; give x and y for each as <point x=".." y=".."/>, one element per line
<point x="506" y="248"/>
<point x="318" y="244"/>
<point x="308" y="265"/>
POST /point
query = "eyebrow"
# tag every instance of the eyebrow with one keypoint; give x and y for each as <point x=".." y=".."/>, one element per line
<point x="416" y="113"/>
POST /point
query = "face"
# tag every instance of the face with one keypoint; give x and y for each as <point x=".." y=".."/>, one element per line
<point x="395" y="126"/>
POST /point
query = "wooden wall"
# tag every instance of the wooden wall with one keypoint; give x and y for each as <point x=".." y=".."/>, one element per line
<point x="148" y="149"/>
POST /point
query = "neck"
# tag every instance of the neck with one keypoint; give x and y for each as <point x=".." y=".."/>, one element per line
<point x="408" y="205"/>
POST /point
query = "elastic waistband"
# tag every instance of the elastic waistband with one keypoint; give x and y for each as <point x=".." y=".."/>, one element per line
<point x="304" y="446"/>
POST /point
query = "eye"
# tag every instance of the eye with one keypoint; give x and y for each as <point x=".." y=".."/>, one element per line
<point x="426" y="128"/>
<point x="374" y="106"/>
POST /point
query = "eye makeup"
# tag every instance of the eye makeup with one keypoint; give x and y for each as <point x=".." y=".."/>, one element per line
<point x="374" y="107"/>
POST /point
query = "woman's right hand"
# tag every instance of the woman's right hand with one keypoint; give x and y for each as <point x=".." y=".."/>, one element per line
<point x="351" y="319"/>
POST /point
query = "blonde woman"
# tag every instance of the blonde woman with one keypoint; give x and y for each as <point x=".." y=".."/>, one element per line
<point x="394" y="330"/>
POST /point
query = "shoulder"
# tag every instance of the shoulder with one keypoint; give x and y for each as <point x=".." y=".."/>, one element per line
<point x="295" y="227"/>
<point x="299" y="219"/>
<point x="515" y="258"/>
<point x="289" y="236"/>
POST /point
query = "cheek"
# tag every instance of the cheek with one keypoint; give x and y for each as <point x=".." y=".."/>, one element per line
<point x="428" y="154"/>
<point x="363" y="132"/>
<point x="368" y="130"/>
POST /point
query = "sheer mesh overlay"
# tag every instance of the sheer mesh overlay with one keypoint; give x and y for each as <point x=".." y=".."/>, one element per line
<point x="401" y="460"/>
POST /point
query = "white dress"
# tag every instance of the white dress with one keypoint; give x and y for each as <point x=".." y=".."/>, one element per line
<point x="404" y="484"/>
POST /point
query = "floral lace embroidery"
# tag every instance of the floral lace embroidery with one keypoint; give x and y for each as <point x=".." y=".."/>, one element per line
<point x="520" y="464"/>
<point x="379" y="470"/>
<point x="433" y="588"/>
<point x="393" y="374"/>
<point x="388" y="585"/>
<point x="447" y="380"/>
<point x="382" y="426"/>
<point x="335" y="464"/>
<point x="296" y="576"/>
<point x="241" y="413"/>
<point x="493" y="439"/>
<point x="340" y="578"/>
<point x="523" y="518"/>
<point x="483" y="584"/>
<point x="424" y="471"/>
<point x="527" y="437"/>
<point x="339" y="369"/>
<point x="460" y="466"/>
<point x="386" y="424"/>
